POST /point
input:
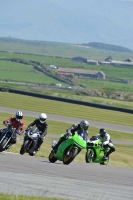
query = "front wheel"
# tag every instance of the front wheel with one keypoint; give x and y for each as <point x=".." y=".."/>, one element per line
<point x="68" y="158"/>
<point x="33" y="153"/>
<point x="52" y="159"/>
<point x="88" y="157"/>
<point x="3" y="144"/>
<point x="24" y="147"/>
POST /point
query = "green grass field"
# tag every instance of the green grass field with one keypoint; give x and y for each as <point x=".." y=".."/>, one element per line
<point x="12" y="71"/>
<point x="65" y="109"/>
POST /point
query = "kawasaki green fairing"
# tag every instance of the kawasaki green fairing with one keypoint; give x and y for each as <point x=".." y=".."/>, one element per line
<point x="77" y="141"/>
<point x="95" y="152"/>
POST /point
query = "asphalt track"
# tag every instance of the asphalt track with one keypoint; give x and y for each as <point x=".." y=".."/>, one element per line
<point x="78" y="181"/>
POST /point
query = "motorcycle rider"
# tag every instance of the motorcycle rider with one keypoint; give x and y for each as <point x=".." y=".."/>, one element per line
<point x="106" y="142"/>
<point x="15" y="122"/>
<point x="42" y="125"/>
<point x="83" y="125"/>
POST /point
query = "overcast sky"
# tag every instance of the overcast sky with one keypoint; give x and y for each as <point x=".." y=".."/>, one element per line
<point x="69" y="21"/>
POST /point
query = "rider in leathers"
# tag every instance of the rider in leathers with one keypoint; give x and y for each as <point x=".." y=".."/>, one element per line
<point x="42" y="125"/>
<point x="106" y="142"/>
<point x="15" y="122"/>
<point x="83" y="125"/>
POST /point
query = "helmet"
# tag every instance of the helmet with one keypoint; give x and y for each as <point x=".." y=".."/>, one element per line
<point x="19" y="116"/>
<point x="84" y="125"/>
<point x="42" y="117"/>
<point x="102" y="132"/>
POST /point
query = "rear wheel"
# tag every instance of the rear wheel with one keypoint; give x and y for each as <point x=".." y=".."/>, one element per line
<point x="2" y="144"/>
<point x="88" y="156"/>
<point x="52" y="159"/>
<point x="24" y="147"/>
<point x="68" y="158"/>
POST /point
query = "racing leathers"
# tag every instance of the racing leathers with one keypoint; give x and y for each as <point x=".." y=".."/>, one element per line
<point x="42" y="128"/>
<point x="19" y="125"/>
<point x="106" y="142"/>
<point x="69" y="132"/>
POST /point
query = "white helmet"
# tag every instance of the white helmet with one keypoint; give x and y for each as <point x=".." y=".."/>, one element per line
<point x="42" y="117"/>
<point x="19" y="115"/>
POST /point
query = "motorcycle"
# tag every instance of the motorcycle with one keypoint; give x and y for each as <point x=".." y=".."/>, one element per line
<point x="69" y="148"/>
<point x="6" y="137"/>
<point x="95" y="152"/>
<point x="30" y="141"/>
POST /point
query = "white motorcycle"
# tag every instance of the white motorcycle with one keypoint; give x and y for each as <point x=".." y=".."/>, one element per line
<point x="30" y="141"/>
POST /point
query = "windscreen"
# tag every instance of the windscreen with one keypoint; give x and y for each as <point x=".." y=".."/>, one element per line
<point x="35" y="130"/>
<point x="82" y="134"/>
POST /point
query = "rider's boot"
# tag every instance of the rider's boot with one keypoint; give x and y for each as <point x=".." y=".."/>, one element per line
<point x="13" y="141"/>
<point x="38" y="147"/>
<point x="8" y="146"/>
<point x="105" y="157"/>
<point x="109" y="152"/>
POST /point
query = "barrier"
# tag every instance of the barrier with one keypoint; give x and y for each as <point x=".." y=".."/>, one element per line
<point x="44" y="96"/>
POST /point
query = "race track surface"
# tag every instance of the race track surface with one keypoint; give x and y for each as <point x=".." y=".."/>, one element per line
<point x="78" y="181"/>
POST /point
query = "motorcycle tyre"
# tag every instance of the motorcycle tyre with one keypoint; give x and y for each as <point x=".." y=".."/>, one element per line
<point x="24" y="147"/>
<point x="88" y="155"/>
<point x="73" y="154"/>
<point x="52" y="159"/>
<point x="2" y="144"/>
<point x="32" y="154"/>
<point x="105" y="162"/>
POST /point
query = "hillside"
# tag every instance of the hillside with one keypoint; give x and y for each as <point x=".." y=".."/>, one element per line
<point x="109" y="47"/>
<point x="59" y="49"/>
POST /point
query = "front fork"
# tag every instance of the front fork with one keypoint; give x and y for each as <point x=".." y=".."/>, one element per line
<point x="2" y="138"/>
<point x="6" y="143"/>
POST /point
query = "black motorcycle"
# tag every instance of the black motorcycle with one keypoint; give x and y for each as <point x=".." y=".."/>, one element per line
<point x="6" y="137"/>
<point x="30" y="142"/>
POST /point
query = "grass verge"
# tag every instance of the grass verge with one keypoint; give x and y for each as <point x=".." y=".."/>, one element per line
<point x="23" y="102"/>
<point x="22" y="197"/>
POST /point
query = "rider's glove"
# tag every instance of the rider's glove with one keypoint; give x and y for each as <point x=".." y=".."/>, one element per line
<point x="28" y="128"/>
<point x="68" y="134"/>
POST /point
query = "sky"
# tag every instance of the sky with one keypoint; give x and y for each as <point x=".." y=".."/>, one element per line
<point x="69" y="21"/>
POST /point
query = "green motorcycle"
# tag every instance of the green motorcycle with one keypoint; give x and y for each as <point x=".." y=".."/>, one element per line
<point x="95" y="152"/>
<point x="69" y="148"/>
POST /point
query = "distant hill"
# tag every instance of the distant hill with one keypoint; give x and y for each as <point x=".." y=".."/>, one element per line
<point x="96" y="45"/>
<point x="109" y="47"/>
<point x="58" y="49"/>
<point x="27" y="42"/>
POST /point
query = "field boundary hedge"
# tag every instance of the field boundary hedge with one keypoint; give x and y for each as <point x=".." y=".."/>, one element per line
<point x="95" y="105"/>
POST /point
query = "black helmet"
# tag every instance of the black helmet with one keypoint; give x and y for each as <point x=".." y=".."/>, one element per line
<point x="102" y="132"/>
